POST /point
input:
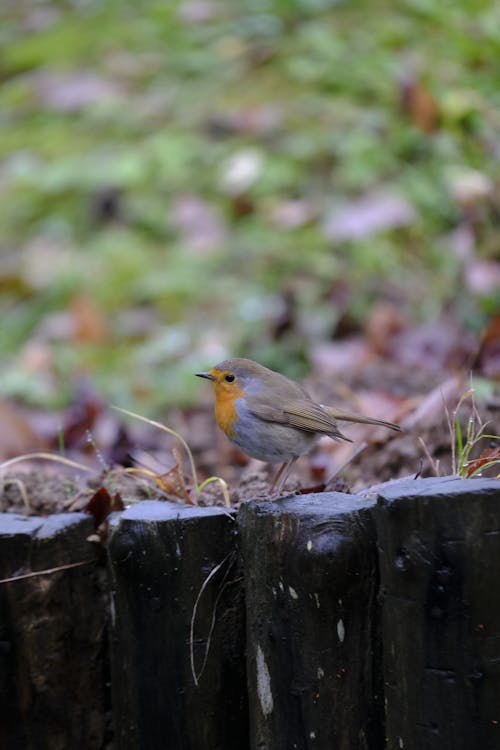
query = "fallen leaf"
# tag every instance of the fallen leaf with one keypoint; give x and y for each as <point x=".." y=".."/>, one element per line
<point x="482" y="277"/>
<point x="199" y="224"/>
<point x="292" y="214"/>
<point x="88" y="321"/>
<point x="242" y="205"/>
<point x="361" y="218"/>
<point x="384" y="322"/>
<point x="487" y="456"/>
<point x="99" y="506"/>
<point x="420" y="105"/>
<point x="74" y="90"/>
<point x="172" y="482"/>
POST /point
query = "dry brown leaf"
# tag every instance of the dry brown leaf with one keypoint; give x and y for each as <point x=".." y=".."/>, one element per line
<point x="89" y="324"/>
<point x="420" y="105"/>
<point x="486" y="457"/>
<point x="385" y="320"/>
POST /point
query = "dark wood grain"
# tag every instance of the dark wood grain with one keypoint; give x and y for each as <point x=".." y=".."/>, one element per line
<point x="53" y="642"/>
<point x="439" y="545"/>
<point x="162" y="556"/>
<point x="313" y="645"/>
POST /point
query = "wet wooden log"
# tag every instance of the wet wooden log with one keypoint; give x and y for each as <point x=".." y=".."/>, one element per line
<point x="179" y="675"/>
<point x="314" y="651"/>
<point x="52" y="636"/>
<point x="440" y="566"/>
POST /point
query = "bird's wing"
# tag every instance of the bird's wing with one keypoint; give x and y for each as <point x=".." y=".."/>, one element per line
<point x="306" y="415"/>
<point x="302" y="414"/>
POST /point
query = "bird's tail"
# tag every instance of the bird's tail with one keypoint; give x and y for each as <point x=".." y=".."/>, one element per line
<point x="345" y="416"/>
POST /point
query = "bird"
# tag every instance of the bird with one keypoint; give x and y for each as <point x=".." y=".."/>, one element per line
<point x="271" y="417"/>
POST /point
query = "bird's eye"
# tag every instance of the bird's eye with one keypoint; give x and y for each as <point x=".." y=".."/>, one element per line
<point x="229" y="378"/>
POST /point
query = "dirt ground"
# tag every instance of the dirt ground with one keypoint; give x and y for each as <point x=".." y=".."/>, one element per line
<point x="422" y="402"/>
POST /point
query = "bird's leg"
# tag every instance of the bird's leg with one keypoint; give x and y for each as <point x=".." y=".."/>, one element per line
<point x="281" y="476"/>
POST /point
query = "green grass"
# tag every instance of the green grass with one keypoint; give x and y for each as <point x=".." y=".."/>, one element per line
<point x="332" y="72"/>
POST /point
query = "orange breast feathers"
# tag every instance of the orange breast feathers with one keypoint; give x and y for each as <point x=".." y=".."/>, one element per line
<point x="225" y="408"/>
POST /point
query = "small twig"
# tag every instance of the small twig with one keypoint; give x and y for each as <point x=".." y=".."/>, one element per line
<point x="205" y="583"/>
<point x="45" y="457"/>
<point x="98" y="453"/>
<point x="197" y="487"/>
<point x="47" y="571"/>
<point x="434" y="464"/>
<point x="170" y="432"/>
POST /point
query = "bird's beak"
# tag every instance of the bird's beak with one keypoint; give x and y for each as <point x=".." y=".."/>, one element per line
<point x="207" y="375"/>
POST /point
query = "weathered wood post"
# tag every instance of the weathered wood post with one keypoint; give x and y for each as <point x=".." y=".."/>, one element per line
<point x="314" y="652"/>
<point x="179" y="676"/>
<point x="440" y="570"/>
<point x="52" y="636"/>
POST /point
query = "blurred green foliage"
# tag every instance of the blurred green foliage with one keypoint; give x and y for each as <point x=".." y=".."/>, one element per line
<point x="112" y="111"/>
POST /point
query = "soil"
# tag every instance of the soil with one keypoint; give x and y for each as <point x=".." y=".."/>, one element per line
<point x="35" y="492"/>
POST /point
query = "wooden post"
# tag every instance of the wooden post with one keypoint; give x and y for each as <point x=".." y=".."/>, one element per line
<point x="314" y="662"/>
<point x="178" y="635"/>
<point x="52" y="636"/>
<point x="440" y="569"/>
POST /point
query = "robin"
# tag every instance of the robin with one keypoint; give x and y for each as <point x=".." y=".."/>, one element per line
<point x="271" y="417"/>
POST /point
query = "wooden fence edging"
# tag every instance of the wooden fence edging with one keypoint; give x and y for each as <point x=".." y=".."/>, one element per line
<point x="439" y="544"/>
<point x="176" y="592"/>
<point x="349" y="603"/>
<point x="52" y="636"/>
<point x="313" y="646"/>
